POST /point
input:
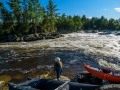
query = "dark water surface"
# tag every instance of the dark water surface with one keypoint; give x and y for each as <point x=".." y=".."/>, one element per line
<point x="18" y="64"/>
<point x="22" y="63"/>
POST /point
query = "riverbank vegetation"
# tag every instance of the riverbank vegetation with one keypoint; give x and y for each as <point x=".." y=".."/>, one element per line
<point x="27" y="20"/>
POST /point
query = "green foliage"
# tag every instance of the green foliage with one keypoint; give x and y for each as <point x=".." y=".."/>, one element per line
<point x="77" y="23"/>
<point x="50" y="18"/>
<point x="35" y="14"/>
<point x="112" y="24"/>
<point x="6" y="20"/>
<point x="103" y="23"/>
<point x="29" y="17"/>
<point x="1" y="15"/>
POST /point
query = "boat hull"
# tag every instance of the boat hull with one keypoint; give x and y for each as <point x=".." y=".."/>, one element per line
<point x="102" y="75"/>
<point x="46" y="84"/>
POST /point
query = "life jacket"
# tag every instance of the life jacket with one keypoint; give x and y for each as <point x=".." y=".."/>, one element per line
<point x="58" y="65"/>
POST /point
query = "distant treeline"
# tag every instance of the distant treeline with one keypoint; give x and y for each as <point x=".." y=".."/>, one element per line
<point x="24" y="17"/>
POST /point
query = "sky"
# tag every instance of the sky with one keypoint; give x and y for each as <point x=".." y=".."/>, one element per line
<point x="90" y="8"/>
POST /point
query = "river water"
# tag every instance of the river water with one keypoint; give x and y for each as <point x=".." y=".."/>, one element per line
<point x="21" y="63"/>
<point x="19" y="60"/>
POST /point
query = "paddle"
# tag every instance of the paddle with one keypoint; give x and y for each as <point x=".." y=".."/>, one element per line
<point x="48" y="74"/>
<point x="64" y="86"/>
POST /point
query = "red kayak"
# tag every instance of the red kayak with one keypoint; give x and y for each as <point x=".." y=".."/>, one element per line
<point x="103" y="74"/>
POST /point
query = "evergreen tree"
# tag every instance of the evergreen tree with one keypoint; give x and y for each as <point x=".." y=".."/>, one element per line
<point x="6" y="20"/>
<point x="94" y="25"/>
<point x="84" y="22"/>
<point x="70" y="23"/>
<point x="50" y="19"/>
<point x="77" y="23"/>
<point x="1" y="15"/>
<point x="29" y="17"/>
<point x="15" y="6"/>
<point x="35" y="14"/>
<point x="103" y="23"/>
<point x="112" y="24"/>
<point x="16" y="12"/>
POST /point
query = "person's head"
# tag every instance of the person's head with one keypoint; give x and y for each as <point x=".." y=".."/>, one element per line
<point x="57" y="59"/>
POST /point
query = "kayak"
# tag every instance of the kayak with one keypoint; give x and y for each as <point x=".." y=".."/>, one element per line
<point x="104" y="74"/>
<point x="47" y="84"/>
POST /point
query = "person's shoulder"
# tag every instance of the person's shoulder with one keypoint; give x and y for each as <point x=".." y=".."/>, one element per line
<point x="60" y="63"/>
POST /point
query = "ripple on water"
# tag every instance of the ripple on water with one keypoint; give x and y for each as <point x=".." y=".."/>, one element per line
<point x="36" y="62"/>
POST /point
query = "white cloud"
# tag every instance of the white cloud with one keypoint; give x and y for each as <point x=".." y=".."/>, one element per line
<point x="89" y="17"/>
<point x="117" y="9"/>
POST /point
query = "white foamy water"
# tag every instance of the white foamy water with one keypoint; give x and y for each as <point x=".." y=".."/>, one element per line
<point x="93" y="43"/>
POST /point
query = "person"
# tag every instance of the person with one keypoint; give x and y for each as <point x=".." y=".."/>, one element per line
<point x="58" y="67"/>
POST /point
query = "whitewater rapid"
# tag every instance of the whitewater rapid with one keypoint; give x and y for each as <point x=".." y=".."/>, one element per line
<point x="106" y="47"/>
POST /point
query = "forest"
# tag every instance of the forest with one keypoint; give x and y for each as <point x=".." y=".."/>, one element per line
<point x="29" y="19"/>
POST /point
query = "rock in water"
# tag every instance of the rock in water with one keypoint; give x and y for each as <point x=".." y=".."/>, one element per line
<point x="2" y="83"/>
<point x="64" y="78"/>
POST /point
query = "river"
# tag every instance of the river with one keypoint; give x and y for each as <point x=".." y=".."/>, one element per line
<point x="19" y="60"/>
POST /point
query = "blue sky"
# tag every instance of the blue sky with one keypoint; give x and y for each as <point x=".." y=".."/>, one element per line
<point x="90" y="8"/>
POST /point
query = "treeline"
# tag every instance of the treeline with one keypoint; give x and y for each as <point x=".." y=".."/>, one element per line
<point x="25" y="17"/>
<point x="83" y="23"/>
